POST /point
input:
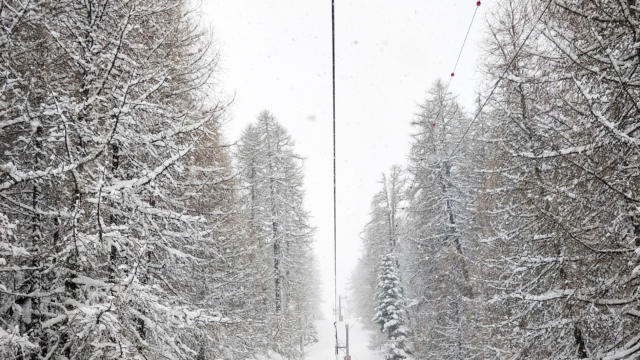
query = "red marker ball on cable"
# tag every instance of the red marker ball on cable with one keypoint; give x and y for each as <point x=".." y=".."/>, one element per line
<point x="453" y="74"/>
<point x="478" y="3"/>
<point x="433" y="125"/>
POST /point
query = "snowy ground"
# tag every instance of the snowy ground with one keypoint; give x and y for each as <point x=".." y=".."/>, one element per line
<point x="358" y="341"/>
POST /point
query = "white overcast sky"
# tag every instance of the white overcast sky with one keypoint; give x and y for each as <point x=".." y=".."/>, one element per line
<point x="276" y="55"/>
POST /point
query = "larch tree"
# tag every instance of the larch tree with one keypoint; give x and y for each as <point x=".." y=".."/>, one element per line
<point x="103" y="106"/>
<point x="271" y="179"/>
<point x="437" y="216"/>
<point x="562" y="190"/>
<point x="521" y="233"/>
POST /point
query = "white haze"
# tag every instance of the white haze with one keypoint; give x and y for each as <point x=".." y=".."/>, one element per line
<point x="276" y="55"/>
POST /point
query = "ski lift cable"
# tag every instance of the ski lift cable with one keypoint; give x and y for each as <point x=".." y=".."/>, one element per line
<point x="335" y="226"/>
<point x="333" y="85"/>
<point x="440" y="111"/>
<point x="453" y="72"/>
<point x="498" y="81"/>
<point x="337" y="316"/>
<point x="455" y="66"/>
<point x="464" y="42"/>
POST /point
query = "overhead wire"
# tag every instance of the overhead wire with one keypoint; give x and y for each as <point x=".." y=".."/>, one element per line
<point x="453" y="71"/>
<point x="464" y="42"/>
<point x="335" y="225"/>
<point x="498" y="81"/>
<point x="440" y="112"/>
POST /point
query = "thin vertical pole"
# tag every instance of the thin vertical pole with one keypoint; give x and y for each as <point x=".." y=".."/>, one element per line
<point x="346" y="327"/>
<point x="333" y="103"/>
<point x="333" y="86"/>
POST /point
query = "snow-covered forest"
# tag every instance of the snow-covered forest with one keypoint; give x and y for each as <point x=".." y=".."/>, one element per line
<point x="132" y="228"/>
<point x="513" y="230"/>
<point x="128" y="228"/>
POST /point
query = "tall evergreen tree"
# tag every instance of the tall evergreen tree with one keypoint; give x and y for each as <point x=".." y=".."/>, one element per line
<point x="271" y="176"/>
<point x="116" y="237"/>
<point x="381" y="236"/>
<point x="521" y="234"/>
<point x="438" y="200"/>
<point x="390" y="310"/>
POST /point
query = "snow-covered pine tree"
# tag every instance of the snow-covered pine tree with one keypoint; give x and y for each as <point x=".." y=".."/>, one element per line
<point x="271" y="178"/>
<point x="437" y="216"/>
<point x="390" y="312"/>
<point x="600" y="143"/>
<point x="216" y="269"/>
<point x="514" y="220"/>
<point x="562" y="213"/>
<point x="102" y="104"/>
<point x="380" y="237"/>
<point x="545" y="207"/>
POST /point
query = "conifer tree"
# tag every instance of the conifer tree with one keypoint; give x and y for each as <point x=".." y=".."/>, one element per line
<point x="390" y="310"/>
<point x="381" y="236"/>
<point x="106" y="114"/>
<point x="271" y="178"/>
